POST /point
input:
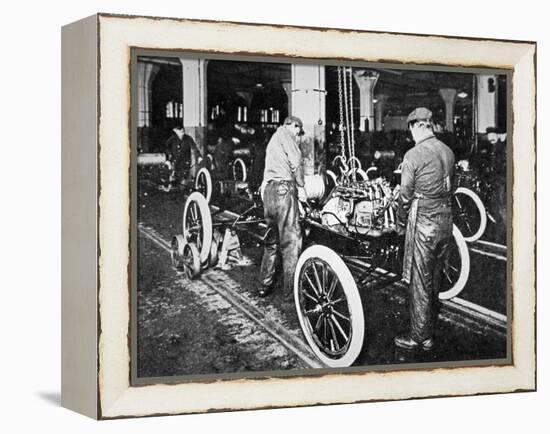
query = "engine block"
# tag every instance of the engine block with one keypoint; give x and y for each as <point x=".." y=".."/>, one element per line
<point x="360" y="207"/>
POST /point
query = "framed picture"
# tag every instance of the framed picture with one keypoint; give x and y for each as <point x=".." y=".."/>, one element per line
<point x="259" y="216"/>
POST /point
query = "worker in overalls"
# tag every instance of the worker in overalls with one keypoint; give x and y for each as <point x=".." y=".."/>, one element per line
<point x="284" y="188"/>
<point x="424" y="214"/>
<point x="179" y="149"/>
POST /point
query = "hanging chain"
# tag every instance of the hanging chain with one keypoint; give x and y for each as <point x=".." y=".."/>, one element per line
<point x="351" y="125"/>
<point x="346" y="109"/>
<point x="340" y="105"/>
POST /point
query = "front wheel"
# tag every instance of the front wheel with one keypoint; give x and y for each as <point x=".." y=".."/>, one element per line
<point x="329" y="306"/>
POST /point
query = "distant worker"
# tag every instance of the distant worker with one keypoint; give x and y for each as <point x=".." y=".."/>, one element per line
<point x="179" y="148"/>
<point x="425" y="211"/>
<point x="284" y="187"/>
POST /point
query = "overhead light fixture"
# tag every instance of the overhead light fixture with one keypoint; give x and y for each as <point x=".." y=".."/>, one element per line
<point x="462" y="95"/>
<point x="374" y="101"/>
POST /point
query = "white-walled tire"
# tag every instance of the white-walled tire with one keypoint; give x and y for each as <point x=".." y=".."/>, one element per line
<point x="197" y="224"/>
<point x="329" y="306"/>
<point x="469" y="214"/>
<point x="239" y="170"/>
<point x="203" y="183"/>
<point x="456" y="267"/>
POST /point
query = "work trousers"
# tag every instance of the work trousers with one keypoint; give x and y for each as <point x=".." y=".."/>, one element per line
<point x="284" y="236"/>
<point x="432" y="238"/>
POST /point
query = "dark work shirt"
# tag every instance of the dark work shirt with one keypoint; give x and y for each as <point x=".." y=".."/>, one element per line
<point x="427" y="172"/>
<point x="180" y="150"/>
<point x="283" y="159"/>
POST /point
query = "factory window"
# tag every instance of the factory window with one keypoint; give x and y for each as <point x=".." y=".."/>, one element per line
<point x="274" y="115"/>
<point x="264" y="116"/>
<point x="242" y="114"/>
<point x="174" y="110"/>
<point x="215" y="112"/>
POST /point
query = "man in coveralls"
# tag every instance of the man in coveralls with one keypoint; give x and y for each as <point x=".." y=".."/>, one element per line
<point x="284" y="187"/>
<point x="178" y="149"/>
<point x="424" y="214"/>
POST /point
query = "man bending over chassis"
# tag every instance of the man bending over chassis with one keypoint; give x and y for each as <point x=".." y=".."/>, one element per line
<point x="425" y="209"/>
<point x="284" y="186"/>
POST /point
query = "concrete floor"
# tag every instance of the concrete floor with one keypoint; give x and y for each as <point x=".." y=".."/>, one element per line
<point x="192" y="328"/>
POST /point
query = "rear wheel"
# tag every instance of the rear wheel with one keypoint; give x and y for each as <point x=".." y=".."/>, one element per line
<point x="239" y="170"/>
<point x="329" y="306"/>
<point x="176" y="251"/>
<point x="191" y="261"/>
<point x="197" y="224"/>
<point x="203" y="183"/>
<point x="469" y="214"/>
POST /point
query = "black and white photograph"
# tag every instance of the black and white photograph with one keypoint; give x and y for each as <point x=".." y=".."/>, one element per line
<point x="292" y="217"/>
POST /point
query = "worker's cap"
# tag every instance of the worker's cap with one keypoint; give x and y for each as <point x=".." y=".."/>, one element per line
<point x="491" y="130"/>
<point x="420" y="114"/>
<point x="295" y="120"/>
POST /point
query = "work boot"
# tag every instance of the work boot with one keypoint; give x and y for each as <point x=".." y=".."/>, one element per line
<point x="408" y="343"/>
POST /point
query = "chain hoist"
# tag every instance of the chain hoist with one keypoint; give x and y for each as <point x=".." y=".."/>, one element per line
<point x="341" y="108"/>
<point x="351" y="126"/>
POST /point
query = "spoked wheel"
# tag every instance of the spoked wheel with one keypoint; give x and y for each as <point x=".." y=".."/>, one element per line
<point x="176" y="251"/>
<point x="191" y="260"/>
<point x="239" y="170"/>
<point x="456" y="267"/>
<point x="469" y="214"/>
<point x="329" y="306"/>
<point x="197" y="224"/>
<point x="203" y="183"/>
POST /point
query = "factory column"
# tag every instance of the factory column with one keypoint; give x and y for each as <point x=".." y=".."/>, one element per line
<point x="194" y="102"/>
<point x="287" y="87"/>
<point x="308" y="103"/>
<point x="486" y="102"/>
<point x="366" y="80"/>
<point x="146" y="74"/>
<point x="379" y="110"/>
<point x="449" y="96"/>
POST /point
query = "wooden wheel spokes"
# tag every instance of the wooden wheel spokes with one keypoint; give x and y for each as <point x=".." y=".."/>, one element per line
<point x="193" y="224"/>
<point x="201" y="184"/>
<point x="331" y="324"/>
<point x="329" y="306"/>
<point x="197" y="224"/>
<point x="451" y="267"/>
<point x="469" y="214"/>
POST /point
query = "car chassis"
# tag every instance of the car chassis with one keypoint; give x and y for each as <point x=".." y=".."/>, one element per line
<point x="328" y="301"/>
